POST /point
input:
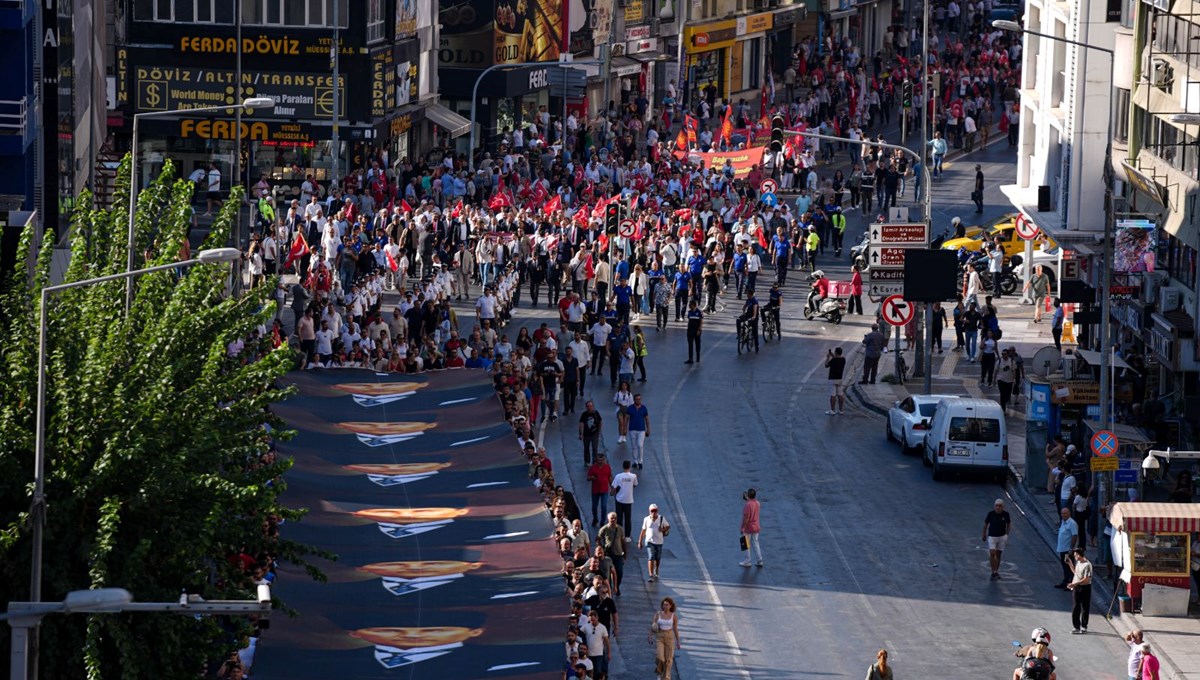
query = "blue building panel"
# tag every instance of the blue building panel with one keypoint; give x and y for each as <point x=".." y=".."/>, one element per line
<point x="19" y="122"/>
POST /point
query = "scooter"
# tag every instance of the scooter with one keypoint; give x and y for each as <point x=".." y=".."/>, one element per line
<point x="829" y="309"/>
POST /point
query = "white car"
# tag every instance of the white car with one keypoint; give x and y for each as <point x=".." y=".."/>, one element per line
<point x="908" y="419"/>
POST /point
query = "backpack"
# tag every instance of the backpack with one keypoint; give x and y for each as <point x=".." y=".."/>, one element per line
<point x="1034" y="668"/>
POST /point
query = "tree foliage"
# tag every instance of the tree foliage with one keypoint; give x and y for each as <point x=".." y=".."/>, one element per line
<point x="153" y="439"/>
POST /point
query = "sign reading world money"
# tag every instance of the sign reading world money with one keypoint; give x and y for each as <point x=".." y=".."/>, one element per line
<point x="298" y="96"/>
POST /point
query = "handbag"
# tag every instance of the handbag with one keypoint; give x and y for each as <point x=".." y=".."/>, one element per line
<point x="744" y="542"/>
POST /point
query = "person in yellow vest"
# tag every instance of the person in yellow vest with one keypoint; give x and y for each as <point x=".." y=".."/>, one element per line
<point x="266" y="210"/>
<point x="838" y="221"/>
<point x="811" y="243"/>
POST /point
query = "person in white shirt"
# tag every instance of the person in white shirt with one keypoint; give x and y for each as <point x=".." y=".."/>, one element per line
<point x="624" y="483"/>
<point x="599" y="333"/>
<point x="596" y="636"/>
<point x="654" y="528"/>
<point x="485" y="306"/>
<point x="324" y="344"/>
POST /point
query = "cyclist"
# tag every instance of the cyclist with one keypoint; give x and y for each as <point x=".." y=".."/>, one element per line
<point x="818" y="292"/>
<point x="774" y="301"/>
<point x="748" y="321"/>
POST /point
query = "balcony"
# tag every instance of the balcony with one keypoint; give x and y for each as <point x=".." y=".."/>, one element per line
<point x="16" y="128"/>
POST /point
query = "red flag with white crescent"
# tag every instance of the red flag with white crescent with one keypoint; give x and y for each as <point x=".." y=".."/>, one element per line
<point x="391" y="261"/>
<point x="299" y="247"/>
<point x="553" y="205"/>
<point x="405" y="206"/>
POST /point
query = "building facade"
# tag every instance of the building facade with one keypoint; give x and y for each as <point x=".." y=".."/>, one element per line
<point x="1159" y="141"/>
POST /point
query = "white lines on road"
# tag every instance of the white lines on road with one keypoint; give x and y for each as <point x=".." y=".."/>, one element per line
<point x="718" y="610"/>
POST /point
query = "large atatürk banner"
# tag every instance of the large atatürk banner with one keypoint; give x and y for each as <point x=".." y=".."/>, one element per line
<point x="444" y="565"/>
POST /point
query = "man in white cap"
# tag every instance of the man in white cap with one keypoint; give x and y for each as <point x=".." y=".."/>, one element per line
<point x="654" y="529"/>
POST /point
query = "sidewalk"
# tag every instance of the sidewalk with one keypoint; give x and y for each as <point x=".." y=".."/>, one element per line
<point x="1173" y="639"/>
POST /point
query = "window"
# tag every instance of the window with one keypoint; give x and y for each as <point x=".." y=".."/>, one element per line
<point x="1121" y="115"/>
<point x="294" y="12"/>
<point x="376" y="21"/>
<point x="1177" y="258"/>
<point x="983" y="430"/>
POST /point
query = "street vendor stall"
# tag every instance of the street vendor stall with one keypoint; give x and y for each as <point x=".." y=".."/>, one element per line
<point x="1152" y="545"/>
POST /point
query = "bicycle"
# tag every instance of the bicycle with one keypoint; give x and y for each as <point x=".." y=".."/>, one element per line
<point x="771" y="328"/>
<point x="747" y="337"/>
<point x="901" y="368"/>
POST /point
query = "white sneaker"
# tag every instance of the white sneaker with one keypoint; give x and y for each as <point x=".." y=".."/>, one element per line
<point x="831" y="413"/>
<point x="841" y="413"/>
<point x="621" y="440"/>
<point x="744" y="564"/>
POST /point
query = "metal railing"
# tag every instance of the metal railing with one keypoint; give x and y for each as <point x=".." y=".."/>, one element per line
<point x="14" y="114"/>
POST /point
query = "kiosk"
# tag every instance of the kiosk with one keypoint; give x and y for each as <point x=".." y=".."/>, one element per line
<point x="1151" y="543"/>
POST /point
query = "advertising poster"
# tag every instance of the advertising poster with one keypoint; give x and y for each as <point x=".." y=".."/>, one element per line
<point x="412" y="15"/>
<point x="445" y="568"/>
<point x="530" y="30"/>
<point x="467" y="34"/>
<point x="1134" y="247"/>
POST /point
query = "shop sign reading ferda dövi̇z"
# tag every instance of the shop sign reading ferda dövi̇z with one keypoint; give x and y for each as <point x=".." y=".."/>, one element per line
<point x="296" y="95"/>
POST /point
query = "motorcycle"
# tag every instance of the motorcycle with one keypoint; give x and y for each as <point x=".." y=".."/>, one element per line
<point x="829" y="309"/>
<point x="862" y="248"/>
<point x="1008" y="281"/>
<point x="1035" y="666"/>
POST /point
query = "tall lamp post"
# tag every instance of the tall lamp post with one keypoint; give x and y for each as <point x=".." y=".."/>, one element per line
<point x="251" y="103"/>
<point x="1107" y="257"/>
<point x="496" y="67"/>
<point x="38" y="506"/>
<point x="24" y="617"/>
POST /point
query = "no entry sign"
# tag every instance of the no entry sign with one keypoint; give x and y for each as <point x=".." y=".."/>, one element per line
<point x="626" y="229"/>
<point x="1026" y="229"/>
<point x="897" y="311"/>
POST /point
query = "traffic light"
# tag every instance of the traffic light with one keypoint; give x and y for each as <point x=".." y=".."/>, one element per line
<point x="612" y="217"/>
<point x="906" y="97"/>
<point x="777" y="124"/>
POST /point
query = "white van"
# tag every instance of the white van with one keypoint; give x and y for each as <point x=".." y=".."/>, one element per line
<point x="967" y="434"/>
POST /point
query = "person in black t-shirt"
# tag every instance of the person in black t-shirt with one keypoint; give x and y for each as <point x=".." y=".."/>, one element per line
<point x="570" y="381"/>
<point x="836" y="363"/>
<point x="589" y="431"/>
<point x="695" y="326"/>
<point x="995" y="531"/>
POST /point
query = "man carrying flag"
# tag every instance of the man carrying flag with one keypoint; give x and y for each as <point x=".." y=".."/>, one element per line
<point x="727" y="126"/>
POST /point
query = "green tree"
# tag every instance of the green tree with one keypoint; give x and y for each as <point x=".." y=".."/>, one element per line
<point x="155" y="439"/>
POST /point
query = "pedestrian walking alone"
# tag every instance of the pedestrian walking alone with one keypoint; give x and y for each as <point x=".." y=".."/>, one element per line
<point x="637" y="422"/>
<point x="654" y="532"/>
<point x="1006" y="374"/>
<point x="977" y="195"/>
<point x="873" y="344"/>
<point x="996" y="526"/>
<point x="855" y="291"/>
<point x="590" y="422"/>
<point x="664" y="635"/>
<point x="881" y="669"/>
<point x="750" y="528"/>
<point x="622" y="491"/>
<point x="1081" y="592"/>
<point x="600" y="475"/>
<point x="836" y="363"/>
<point x="695" y="327"/>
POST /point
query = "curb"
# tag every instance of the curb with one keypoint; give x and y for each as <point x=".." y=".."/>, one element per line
<point x="1103" y="590"/>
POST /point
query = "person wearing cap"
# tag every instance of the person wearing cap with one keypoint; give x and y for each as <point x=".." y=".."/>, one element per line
<point x="996" y="526"/>
<point x="652" y="535"/>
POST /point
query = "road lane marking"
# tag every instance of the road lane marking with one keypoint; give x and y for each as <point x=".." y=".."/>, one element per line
<point x="718" y="609"/>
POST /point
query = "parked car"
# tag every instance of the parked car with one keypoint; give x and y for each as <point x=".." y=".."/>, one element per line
<point x="969" y="435"/>
<point x="908" y="419"/>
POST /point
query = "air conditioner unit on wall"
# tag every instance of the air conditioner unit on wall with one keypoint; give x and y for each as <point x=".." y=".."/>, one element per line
<point x="1169" y="299"/>
<point x="1151" y="283"/>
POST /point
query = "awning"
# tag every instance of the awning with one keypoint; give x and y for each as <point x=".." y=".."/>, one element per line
<point x="1094" y="359"/>
<point x="624" y="66"/>
<point x="1162" y="518"/>
<point x="454" y="123"/>
<point x="650" y="55"/>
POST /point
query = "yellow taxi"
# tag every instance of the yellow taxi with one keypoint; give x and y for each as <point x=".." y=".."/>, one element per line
<point x="1005" y="228"/>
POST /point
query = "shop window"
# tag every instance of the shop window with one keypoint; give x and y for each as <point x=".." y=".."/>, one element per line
<point x="295" y="12"/>
<point x="1120" y="115"/>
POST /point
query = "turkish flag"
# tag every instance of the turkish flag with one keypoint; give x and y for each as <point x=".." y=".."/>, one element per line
<point x="500" y="201"/>
<point x="681" y="140"/>
<point x="299" y="247"/>
<point x="391" y="261"/>
<point x="553" y="205"/>
<point x="456" y="210"/>
<point x="405" y="206"/>
<point x="727" y="125"/>
<point x="762" y="239"/>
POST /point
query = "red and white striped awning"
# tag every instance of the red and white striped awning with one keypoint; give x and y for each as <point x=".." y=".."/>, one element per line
<point x="1161" y="518"/>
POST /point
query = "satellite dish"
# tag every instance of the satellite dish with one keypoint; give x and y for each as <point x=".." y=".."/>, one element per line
<point x="1045" y="361"/>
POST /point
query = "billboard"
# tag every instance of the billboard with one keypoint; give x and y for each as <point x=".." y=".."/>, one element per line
<point x="481" y="34"/>
<point x="411" y="16"/>
<point x="1134" y="247"/>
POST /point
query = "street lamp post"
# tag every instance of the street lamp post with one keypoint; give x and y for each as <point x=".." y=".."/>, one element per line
<point x="496" y="67"/>
<point x="1106" y="257"/>
<point x="928" y="201"/>
<point x="38" y="506"/>
<point x="25" y="617"/>
<point x="251" y="103"/>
